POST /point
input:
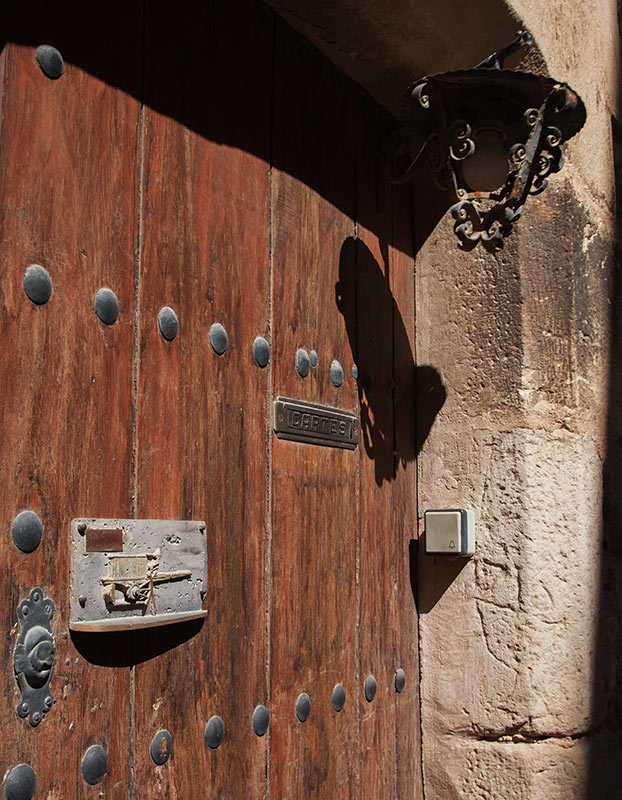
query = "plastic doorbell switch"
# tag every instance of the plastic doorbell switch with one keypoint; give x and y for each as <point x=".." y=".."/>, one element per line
<point x="450" y="532"/>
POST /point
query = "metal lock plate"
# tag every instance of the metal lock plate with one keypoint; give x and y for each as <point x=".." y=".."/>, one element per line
<point x="136" y="573"/>
<point x="35" y="656"/>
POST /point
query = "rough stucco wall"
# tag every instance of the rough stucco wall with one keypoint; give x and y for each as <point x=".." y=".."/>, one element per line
<point x="521" y="341"/>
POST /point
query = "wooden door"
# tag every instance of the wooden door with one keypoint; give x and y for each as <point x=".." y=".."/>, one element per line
<point x="208" y="160"/>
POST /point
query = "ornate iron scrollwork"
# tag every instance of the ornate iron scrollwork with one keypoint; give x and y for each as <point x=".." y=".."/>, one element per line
<point x="450" y="119"/>
<point x="35" y="656"/>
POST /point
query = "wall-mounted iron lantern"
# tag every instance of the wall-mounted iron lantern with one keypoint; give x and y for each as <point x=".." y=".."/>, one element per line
<point x="491" y="137"/>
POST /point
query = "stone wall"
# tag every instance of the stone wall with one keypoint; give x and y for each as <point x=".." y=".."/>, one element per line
<point x="511" y="640"/>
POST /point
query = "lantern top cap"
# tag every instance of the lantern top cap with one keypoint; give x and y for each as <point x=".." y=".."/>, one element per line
<point x="501" y="89"/>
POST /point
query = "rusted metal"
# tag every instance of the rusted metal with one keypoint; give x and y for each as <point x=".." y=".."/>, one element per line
<point x="161" y="748"/>
<point x="496" y="60"/>
<point x="136" y="573"/>
<point x="104" y="540"/>
<point x="529" y="115"/>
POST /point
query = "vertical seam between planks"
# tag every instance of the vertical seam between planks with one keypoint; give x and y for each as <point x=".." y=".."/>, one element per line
<point x="417" y="478"/>
<point x="357" y="521"/>
<point x="135" y="376"/>
<point x="397" y="632"/>
<point x="4" y="68"/>
<point x="269" y="394"/>
<point x="391" y="204"/>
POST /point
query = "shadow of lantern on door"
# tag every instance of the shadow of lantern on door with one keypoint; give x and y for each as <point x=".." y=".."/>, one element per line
<point x="394" y="393"/>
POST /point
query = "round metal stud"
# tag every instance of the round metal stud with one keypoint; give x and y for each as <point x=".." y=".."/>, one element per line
<point x="302" y="363"/>
<point x="370" y="688"/>
<point x="214" y="731"/>
<point x="94" y="765"/>
<point x="106" y="306"/>
<point x="313" y="358"/>
<point x="303" y="707"/>
<point x="355" y="372"/>
<point x="37" y="284"/>
<point x="50" y="61"/>
<point x="27" y="530"/>
<point x="161" y="747"/>
<point x="168" y="323"/>
<point x="218" y="338"/>
<point x="338" y="698"/>
<point x="261" y="352"/>
<point x="336" y="373"/>
<point x="21" y="783"/>
<point x="261" y="720"/>
<point x="400" y="680"/>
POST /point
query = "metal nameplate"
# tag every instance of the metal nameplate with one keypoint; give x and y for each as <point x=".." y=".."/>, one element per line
<point x="136" y="573"/>
<point x="315" y="424"/>
<point x="104" y="541"/>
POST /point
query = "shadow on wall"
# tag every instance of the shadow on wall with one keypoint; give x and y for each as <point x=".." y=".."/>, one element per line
<point x="389" y="383"/>
<point x="605" y="742"/>
<point x="392" y="390"/>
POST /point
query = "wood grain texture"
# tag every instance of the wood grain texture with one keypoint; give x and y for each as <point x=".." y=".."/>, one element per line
<point x="313" y="619"/>
<point x="404" y="497"/>
<point x="202" y="417"/>
<point x="247" y="187"/>
<point x="69" y="204"/>
<point x="375" y="310"/>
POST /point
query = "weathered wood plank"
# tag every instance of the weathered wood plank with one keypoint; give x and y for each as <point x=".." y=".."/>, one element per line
<point x="313" y="612"/>
<point x="69" y="203"/>
<point x="404" y="492"/>
<point x="202" y="417"/>
<point x="375" y="310"/>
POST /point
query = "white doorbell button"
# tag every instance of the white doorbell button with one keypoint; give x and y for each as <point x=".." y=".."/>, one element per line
<point x="450" y="532"/>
